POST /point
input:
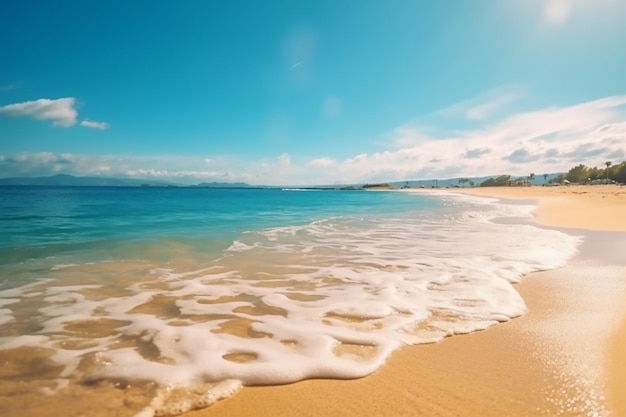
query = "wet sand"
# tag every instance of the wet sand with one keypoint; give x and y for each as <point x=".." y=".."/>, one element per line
<point x="565" y="357"/>
<point x="595" y="207"/>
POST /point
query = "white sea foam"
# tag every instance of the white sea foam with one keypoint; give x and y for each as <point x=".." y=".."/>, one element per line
<point x="331" y="299"/>
<point x="62" y="266"/>
<point x="6" y="316"/>
<point x="238" y="246"/>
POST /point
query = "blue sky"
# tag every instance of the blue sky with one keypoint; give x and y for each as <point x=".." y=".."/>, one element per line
<point x="310" y="92"/>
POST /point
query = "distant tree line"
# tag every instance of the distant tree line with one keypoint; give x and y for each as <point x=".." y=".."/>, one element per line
<point x="500" y="181"/>
<point x="578" y="174"/>
<point x="582" y="174"/>
<point x="466" y="181"/>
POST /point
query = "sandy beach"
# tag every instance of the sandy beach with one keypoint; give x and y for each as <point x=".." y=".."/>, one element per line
<point x="595" y="207"/>
<point x="565" y="357"/>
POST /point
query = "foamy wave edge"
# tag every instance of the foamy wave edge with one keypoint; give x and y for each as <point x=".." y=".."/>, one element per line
<point x="377" y="294"/>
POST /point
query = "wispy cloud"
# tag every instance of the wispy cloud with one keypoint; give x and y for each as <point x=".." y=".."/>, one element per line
<point x="294" y="66"/>
<point x="486" y="105"/>
<point x="8" y="87"/>
<point x="548" y="140"/>
<point x="94" y="125"/>
<point x="40" y="163"/>
<point x="284" y="160"/>
<point x="60" y="111"/>
<point x="298" y="50"/>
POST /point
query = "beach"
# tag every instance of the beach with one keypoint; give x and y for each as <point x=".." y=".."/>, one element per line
<point x="565" y="357"/>
<point x="594" y="207"/>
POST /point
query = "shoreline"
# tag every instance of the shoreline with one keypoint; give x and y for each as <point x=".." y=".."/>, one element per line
<point x="563" y="356"/>
<point x="597" y="212"/>
<point x="597" y="207"/>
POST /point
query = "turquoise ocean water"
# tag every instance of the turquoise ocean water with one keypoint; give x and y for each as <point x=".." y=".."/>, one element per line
<point x="100" y="223"/>
<point x="186" y="294"/>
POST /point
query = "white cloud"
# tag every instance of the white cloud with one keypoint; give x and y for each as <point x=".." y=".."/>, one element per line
<point x="185" y="170"/>
<point x="94" y="125"/>
<point x="550" y="140"/>
<point x="321" y="162"/>
<point x="36" y="164"/>
<point x="61" y="111"/>
<point x="546" y="140"/>
<point x="284" y="160"/>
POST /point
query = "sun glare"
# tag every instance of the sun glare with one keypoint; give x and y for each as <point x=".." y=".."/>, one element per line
<point x="557" y="12"/>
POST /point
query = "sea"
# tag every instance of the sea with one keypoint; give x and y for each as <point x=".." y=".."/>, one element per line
<point x="149" y="301"/>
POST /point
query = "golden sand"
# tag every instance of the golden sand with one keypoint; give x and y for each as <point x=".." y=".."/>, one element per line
<point x="566" y="357"/>
<point x="595" y="207"/>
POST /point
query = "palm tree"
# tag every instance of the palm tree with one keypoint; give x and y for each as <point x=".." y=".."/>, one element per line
<point x="545" y="178"/>
<point x="531" y="177"/>
<point x="608" y="164"/>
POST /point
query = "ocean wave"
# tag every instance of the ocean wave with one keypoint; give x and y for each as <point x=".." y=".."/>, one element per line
<point x="329" y="299"/>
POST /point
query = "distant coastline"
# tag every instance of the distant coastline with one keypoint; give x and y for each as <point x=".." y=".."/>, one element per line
<point x="580" y="174"/>
<point x="65" y="180"/>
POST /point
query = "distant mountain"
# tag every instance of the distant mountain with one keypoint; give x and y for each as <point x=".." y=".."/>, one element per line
<point x="223" y="185"/>
<point x="70" y="180"/>
<point x="63" y="180"/>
